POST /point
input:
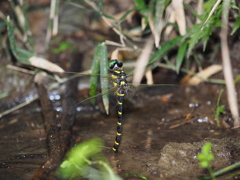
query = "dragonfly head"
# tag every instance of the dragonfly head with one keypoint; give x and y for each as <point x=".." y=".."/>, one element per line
<point x="115" y="64"/>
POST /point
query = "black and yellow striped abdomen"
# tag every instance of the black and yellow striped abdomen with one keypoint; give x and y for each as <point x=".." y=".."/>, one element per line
<point x="120" y="81"/>
<point x="120" y="96"/>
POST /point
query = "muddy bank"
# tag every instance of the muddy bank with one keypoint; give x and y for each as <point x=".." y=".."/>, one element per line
<point x="179" y="160"/>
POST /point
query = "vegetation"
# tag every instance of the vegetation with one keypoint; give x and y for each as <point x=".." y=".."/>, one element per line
<point x="163" y="29"/>
<point x="86" y="160"/>
<point x="219" y="110"/>
<point x="205" y="158"/>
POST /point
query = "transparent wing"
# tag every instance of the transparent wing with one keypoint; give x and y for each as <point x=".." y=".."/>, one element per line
<point x="96" y="102"/>
<point x="143" y="95"/>
<point x="135" y="97"/>
<point x="139" y="97"/>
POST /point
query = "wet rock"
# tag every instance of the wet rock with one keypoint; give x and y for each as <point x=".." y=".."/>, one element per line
<point x="180" y="159"/>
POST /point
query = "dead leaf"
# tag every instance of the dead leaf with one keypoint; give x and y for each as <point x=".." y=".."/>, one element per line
<point x="142" y="61"/>
<point x="45" y="64"/>
<point x="204" y="74"/>
<point x="180" y="15"/>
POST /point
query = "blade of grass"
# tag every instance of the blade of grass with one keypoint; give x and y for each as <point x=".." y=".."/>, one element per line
<point x="141" y="6"/>
<point x="180" y="56"/>
<point x="125" y="15"/>
<point x="219" y="109"/>
<point x="155" y="19"/>
<point x="211" y="13"/>
<point x="20" y="10"/>
<point x="224" y="170"/>
<point x="3" y="95"/>
<point x="136" y="174"/>
<point x="100" y="6"/>
<point x="18" y="106"/>
<point x="167" y="46"/>
<point x="11" y="38"/>
<point x="236" y="25"/>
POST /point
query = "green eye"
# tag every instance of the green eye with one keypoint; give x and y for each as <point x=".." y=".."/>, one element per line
<point x="112" y="63"/>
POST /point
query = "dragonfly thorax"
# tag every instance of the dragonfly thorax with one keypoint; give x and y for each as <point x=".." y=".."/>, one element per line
<point x="119" y="78"/>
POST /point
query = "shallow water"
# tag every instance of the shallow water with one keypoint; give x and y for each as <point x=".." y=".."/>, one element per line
<point x="146" y="130"/>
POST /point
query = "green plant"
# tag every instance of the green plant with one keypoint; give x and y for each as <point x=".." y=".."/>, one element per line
<point x="137" y="175"/>
<point x="205" y="158"/>
<point x="86" y="160"/>
<point x="219" y="110"/>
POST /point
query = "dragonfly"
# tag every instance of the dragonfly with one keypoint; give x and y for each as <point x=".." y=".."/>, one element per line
<point x="121" y="88"/>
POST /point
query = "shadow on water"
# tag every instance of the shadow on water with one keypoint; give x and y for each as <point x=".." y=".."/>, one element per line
<point x="173" y="117"/>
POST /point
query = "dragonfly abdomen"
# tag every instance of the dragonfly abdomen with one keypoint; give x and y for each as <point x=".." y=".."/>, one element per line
<point x="120" y="97"/>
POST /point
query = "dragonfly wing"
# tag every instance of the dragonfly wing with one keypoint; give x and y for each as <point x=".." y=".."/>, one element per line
<point x="96" y="102"/>
<point x="145" y="94"/>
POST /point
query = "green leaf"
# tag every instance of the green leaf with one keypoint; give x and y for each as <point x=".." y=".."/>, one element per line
<point x="207" y="148"/>
<point x="201" y="157"/>
<point x="103" y="73"/>
<point x="20" y="54"/>
<point x="136" y="174"/>
<point x="100" y="6"/>
<point x="166" y="47"/>
<point x="84" y="7"/>
<point x="125" y="15"/>
<point x="210" y="157"/>
<point x="95" y="70"/>
<point x="75" y="165"/>
<point x="3" y="95"/>
<point x="204" y="164"/>
<point x="109" y="17"/>
<point x="180" y="56"/>
<point x="159" y="8"/>
<point x="206" y="156"/>
<point x="236" y="25"/>
<point x="62" y="47"/>
<point x="234" y="6"/>
<point x="11" y="37"/>
<point x="196" y="34"/>
<point x="220" y="109"/>
<point x="3" y="24"/>
<point x="141" y="6"/>
<point x="81" y="6"/>
<point x="23" y="56"/>
<point x="100" y="64"/>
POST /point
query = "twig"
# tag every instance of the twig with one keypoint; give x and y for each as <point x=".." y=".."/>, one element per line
<point x="227" y="67"/>
<point x="216" y="81"/>
<point x="142" y="61"/>
<point x="20" y="69"/>
<point x="18" y="106"/>
<point x="55" y="154"/>
<point x="69" y="100"/>
<point x="212" y="11"/>
<point x="53" y="22"/>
